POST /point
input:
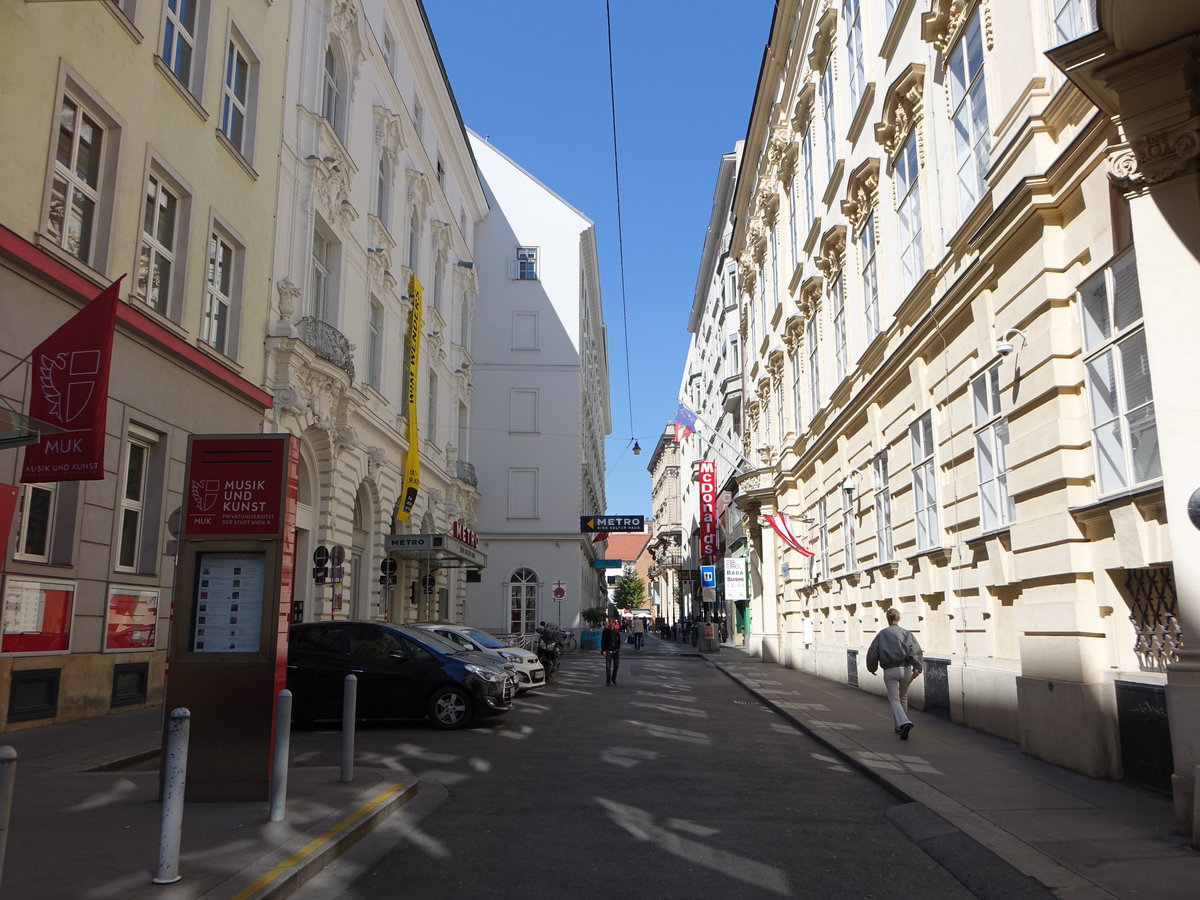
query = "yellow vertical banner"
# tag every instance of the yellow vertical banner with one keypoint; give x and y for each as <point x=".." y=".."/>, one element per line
<point x="412" y="462"/>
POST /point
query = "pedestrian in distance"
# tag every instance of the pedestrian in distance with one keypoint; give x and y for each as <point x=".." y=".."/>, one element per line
<point x="898" y="652"/>
<point x="638" y="629"/>
<point x="610" y="646"/>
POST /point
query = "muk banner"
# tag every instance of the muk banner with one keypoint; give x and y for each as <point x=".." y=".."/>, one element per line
<point x="735" y="578"/>
<point x="70" y="389"/>
<point x="708" y="508"/>
<point x="412" y="461"/>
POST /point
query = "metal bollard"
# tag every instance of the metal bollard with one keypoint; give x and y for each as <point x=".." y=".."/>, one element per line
<point x="279" y="759"/>
<point x="349" y="706"/>
<point x="8" y="774"/>
<point x="173" y="788"/>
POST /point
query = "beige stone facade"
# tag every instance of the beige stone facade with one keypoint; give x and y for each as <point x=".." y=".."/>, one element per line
<point x="956" y="388"/>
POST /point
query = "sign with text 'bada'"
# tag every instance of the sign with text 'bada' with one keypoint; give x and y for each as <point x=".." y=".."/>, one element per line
<point x="235" y="485"/>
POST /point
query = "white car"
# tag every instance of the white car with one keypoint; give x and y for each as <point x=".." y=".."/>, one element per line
<point x="530" y="672"/>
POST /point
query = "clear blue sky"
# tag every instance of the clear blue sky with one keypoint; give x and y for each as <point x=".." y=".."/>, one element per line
<point x="533" y="76"/>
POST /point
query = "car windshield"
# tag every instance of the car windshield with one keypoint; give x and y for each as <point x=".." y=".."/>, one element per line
<point x="483" y="639"/>
<point x="429" y="639"/>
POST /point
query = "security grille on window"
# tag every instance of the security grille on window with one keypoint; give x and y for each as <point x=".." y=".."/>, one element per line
<point x="925" y="502"/>
<point x="1154" y="612"/>
<point x="75" y="191"/>
<point x="996" y="505"/>
<point x="1120" y="398"/>
<point x="179" y="39"/>
<point x="525" y="266"/>
<point x="156" y="259"/>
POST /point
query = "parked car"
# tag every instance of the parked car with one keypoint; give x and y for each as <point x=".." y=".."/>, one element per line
<point x="403" y="673"/>
<point x="530" y="671"/>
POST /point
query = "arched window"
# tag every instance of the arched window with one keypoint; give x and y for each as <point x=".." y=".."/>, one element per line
<point x="331" y="92"/>
<point x="414" y="240"/>
<point x="523" y="591"/>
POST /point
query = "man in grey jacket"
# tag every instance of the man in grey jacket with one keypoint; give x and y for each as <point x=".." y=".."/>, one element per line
<point x="900" y="655"/>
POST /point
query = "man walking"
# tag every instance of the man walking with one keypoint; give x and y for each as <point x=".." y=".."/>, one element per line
<point x="610" y="646"/>
<point x="898" y="652"/>
<point x="638" y="629"/>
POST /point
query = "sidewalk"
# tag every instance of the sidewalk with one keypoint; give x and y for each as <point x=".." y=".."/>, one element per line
<point x="86" y="820"/>
<point x="1080" y="837"/>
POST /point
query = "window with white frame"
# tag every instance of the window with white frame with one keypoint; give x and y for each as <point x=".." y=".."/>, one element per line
<point x="136" y="540"/>
<point x="779" y="428"/>
<point x="383" y="186"/>
<point x="464" y="430"/>
<point x="733" y="358"/>
<point x="968" y="100"/>
<point x="837" y="299"/>
<point x="525" y="266"/>
<point x="332" y="92"/>
<point x="161" y="220"/>
<point x="996" y="506"/>
<point x="464" y="321"/>
<point x="389" y="51"/>
<point x="322" y="297"/>
<point x="439" y="267"/>
<point x="431" y="410"/>
<point x="1073" y="19"/>
<point x="73" y="213"/>
<point x="883" y="508"/>
<point x="375" y="344"/>
<point x="797" y="390"/>
<point x="854" y="50"/>
<point x="823" y="538"/>
<point x="523" y="591"/>
<point x="1120" y="397"/>
<point x="925" y="502"/>
<point x="870" y="276"/>
<point x="414" y="240"/>
<point x="35" y="522"/>
<point x="181" y="49"/>
<point x="776" y="298"/>
<point x="765" y="422"/>
<point x="810" y="204"/>
<point x="794" y="217"/>
<point x="889" y="10"/>
<point x="762" y="299"/>
<point x="237" y="96"/>
<point x="221" y="288"/>
<point x="830" y="120"/>
<point x="814" y="365"/>
<point x="912" y="256"/>
<point x="849" y="541"/>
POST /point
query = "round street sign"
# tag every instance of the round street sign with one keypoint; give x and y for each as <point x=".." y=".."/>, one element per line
<point x="320" y="555"/>
<point x="387" y="566"/>
<point x="337" y="554"/>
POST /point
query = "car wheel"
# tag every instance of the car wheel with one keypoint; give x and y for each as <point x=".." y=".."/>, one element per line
<point x="449" y="707"/>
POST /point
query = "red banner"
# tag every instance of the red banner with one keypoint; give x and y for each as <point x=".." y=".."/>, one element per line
<point x="708" y="508"/>
<point x="70" y="389"/>
<point x="236" y="485"/>
<point x="8" y="509"/>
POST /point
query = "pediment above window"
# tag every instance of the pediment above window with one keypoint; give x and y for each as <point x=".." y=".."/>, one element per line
<point x="802" y="111"/>
<point x="902" y="107"/>
<point x="832" y="257"/>
<point x="943" y="24"/>
<point x="822" y="42"/>
<point x="862" y="193"/>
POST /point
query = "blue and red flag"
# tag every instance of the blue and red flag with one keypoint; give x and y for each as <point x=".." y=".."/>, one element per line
<point x="685" y="423"/>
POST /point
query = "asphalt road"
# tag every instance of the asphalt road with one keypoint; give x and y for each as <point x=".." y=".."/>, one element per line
<point x="674" y="783"/>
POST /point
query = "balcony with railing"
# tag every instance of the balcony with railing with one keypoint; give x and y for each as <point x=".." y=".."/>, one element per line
<point x="465" y="472"/>
<point x="327" y="343"/>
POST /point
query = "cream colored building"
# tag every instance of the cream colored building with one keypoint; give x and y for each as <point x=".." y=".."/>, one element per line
<point x="967" y="339"/>
<point x="143" y="144"/>
<point x="666" y="545"/>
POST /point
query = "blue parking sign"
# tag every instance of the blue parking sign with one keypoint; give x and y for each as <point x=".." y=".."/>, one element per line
<point x="708" y="576"/>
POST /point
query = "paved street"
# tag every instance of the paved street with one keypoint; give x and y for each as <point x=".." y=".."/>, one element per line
<point x="673" y="783"/>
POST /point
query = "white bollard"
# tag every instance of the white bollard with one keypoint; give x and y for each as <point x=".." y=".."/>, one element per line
<point x="349" y="706"/>
<point x="172" y="804"/>
<point x="279" y="758"/>
<point x="8" y="774"/>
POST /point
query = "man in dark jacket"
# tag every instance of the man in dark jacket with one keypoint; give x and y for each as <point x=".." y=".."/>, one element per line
<point x="610" y="646"/>
<point x="898" y="652"/>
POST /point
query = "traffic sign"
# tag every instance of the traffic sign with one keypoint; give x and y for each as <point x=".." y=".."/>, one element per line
<point x="708" y="576"/>
<point x="387" y="566"/>
<point x="610" y="524"/>
<point x="321" y="555"/>
<point x="337" y="554"/>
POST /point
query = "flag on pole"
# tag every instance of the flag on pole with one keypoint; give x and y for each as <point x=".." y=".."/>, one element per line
<point x="685" y="423"/>
<point x="70" y="389"/>
<point x="779" y="522"/>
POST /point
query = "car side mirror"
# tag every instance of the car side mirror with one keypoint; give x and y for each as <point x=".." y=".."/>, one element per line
<point x="467" y="645"/>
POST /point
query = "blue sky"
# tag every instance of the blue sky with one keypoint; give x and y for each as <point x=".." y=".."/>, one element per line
<point x="533" y="77"/>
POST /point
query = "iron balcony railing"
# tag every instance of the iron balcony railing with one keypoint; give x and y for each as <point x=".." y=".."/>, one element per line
<point x="465" y="472"/>
<point x="327" y="343"/>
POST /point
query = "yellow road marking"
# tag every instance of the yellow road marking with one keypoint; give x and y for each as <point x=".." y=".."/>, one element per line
<point x="315" y="844"/>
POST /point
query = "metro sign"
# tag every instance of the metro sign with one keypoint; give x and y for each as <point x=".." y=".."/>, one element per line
<point x="610" y="524"/>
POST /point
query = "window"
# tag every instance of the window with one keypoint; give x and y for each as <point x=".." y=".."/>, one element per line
<point x="924" y="482"/>
<point x="794" y="217"/>
<point x="1120" y="397"/>
<point x="219" y="290"/>
<point x="525" y="266"/>
<point x="179" y="45"/>
<point x="132" y="619"/>
<point x="797" y="391"/>
<point x="35" y="522"/>
<point x="912" y="260"/>
<point x="823" y="538"/>
<point x="375" y="344"/>
<point x="522" y="411"/>
<point x="830" y="123"/>
<point x="733" y="358"/>
<point x="522" y="493"/>
<point x="997" y="507"/>
<point x="76" y="187"/>
<point x="525" y="330"/>
<point x="814" y="370"/>
<point x="775" y="297"/>
<point x="431" y="410"/>
<point x="968" y="99"/>
<point x="160" y="236"/>
<point x="854" y="50"/>
<point x="333" y="99"/>
<point x="837" y="298"/>
<point x="383" y="186"/>
<point x="441" y="172"/>
<point x="37" y="616"/>
<point x="464" y="431"/>
<point x="237" y="96"/>
<point x="883" y="508"/>
<point x="1073" y="19"/>
<point x="523" y="590"/>
<point x="414" y="240"/>
<point x="389" y="52"/>
<point x="136" y="541"/>
<point x="870" y="278"/>
<point x="779" y="426"/>
<point x="810" y="207"/>
<point x="849" y="548"/>
<point x="321" y="298"/>
<point x="439" y="267"/>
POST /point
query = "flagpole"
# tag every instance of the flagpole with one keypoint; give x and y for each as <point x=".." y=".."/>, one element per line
<point x="732" y="446"/>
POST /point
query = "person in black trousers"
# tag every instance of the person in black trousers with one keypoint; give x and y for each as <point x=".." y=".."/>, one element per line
<point x="610" y="646"/>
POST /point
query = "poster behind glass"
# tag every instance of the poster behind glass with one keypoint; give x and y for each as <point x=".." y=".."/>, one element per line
<point x="229" y="602"/>
<point x="132" y="619"/>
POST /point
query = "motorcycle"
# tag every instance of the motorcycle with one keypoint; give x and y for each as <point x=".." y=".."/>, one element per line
<point x="549" y="652"/>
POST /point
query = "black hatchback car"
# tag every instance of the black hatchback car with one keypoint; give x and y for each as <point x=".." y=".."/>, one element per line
<point x="402" y="673"/>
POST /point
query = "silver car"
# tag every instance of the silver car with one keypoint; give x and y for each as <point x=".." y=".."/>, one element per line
<point x="530" y="672"/>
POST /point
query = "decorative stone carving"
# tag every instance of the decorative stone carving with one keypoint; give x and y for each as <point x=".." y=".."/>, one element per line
<point x="288" y="299"/>
<point x="862" y="193"/>
<point x="289" y="399"/>
<point x="810" y="296"/>
<point x="375" y="460"/>
<point x="802" y="111"/>
<point x="1156" y="157"/>
<point x="943" y="24"/>
<point x="418" y="188"/>
<point x="823" y="35"/>
<point x="832" y="257"/>
<point x="902" y="108"/>
<point x="781" y="138"/>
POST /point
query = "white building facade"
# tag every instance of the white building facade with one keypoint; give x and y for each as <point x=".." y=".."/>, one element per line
<point x="540" y="400"/>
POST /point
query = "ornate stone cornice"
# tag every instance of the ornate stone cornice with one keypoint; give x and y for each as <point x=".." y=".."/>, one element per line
<point x="781" y="138"/>
<point x="389" y="132"/>
<point x="793" y="332"/>
<point x="1156" y="157"/>
<point x="943" y="24"/>
<point x="802" y="111"/>
<point x="418" y="187"/>
<point x="862" y="193"/>
<point x="775" y="363"/>
<point x="832" y="258"/>
<point x="822" y="41"/>
<point x="810" y="296"/>
<point x="902" y="108"/>
<point x="443" y="236"/>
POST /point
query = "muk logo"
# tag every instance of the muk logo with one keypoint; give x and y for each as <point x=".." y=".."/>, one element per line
<point x="205" y="495"/>
<point x="68" y="382"/>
